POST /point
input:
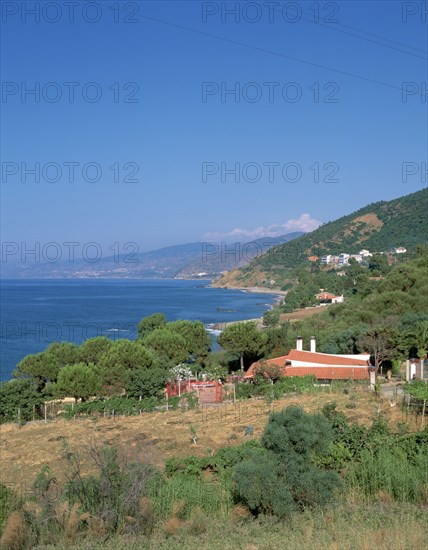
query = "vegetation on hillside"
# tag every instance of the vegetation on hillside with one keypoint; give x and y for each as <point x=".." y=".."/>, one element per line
<point x="379" y="227"/>
<point x="304" y="465"/>
<point x="385" y="317"/>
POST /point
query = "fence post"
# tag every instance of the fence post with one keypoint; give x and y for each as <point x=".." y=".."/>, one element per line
<point x="423" y="414"/>
<point x="46" y="413"/>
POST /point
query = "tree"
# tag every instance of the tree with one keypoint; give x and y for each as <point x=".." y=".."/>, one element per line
<point x="150" y="323"/>
<point x="421" y="338"/>
<point x="79" y="381"/>
<point x="41" y="368"/>
<point x="19" y="394"/>
<point x="128" y="354"/>
<point x="146" y="382"/>
<point x="64" y="353"/>
<point x="44" y="367"/>
<point x="345" y="341"/>
<point x="93" y="349"/>
<point x="198" y="341"/>
<point x="379" y="263"/>
<point x="170" y="346"/>
<point x="120" y="360"/>
<point x="284" y="476"/>
<point x="271" y="317"/>
<point x="378" y="343"/>
<point x="279" y="339"/>
<point x="266" y="372"/>
<point x="242" y="338"/>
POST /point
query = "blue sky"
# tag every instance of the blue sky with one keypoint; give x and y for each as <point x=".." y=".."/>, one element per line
<point x="337" y="141"/>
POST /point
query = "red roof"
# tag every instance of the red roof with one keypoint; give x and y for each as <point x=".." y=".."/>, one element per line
<point x="324" y="296"/>
<point x="323" y="358"/>
<point x="323" y="365"/>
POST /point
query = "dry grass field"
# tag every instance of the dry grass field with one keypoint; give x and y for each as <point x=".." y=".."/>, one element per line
<point x="300" y="314"/>
<point x="159" y="435"/>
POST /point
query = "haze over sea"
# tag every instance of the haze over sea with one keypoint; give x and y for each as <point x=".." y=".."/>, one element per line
<point x="35" y="313"/>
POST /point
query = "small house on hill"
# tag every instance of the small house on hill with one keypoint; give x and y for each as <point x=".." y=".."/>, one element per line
<point x="324" y="366"/>
<point x="328" y="298"/>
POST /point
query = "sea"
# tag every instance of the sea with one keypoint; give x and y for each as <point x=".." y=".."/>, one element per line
<point x="35" y="313"/>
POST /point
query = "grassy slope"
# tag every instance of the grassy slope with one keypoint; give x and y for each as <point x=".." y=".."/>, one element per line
<point x="346" y="527"/>
<point x="350" y="524"/>
<point x="159" y="435"/>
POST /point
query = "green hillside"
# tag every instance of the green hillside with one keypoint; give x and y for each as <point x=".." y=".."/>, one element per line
<point x="378" y="227"/>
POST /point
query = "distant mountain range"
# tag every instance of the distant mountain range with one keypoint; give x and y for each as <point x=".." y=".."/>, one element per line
<point x="185" y="261"/>
<point x="378" y="227"/>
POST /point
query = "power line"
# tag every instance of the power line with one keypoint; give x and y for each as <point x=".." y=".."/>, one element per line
<point x="271" y="52"/>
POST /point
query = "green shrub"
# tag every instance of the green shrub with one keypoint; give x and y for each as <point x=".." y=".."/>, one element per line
<point x="418" y="389"/>
<point x="19" y="395"/>
<point x="294" y="384"/>
<point x="9" y="502"/>
<point x="389" y="470"/>
<point x="146" y="382"/>
<point x="221" y="463"/>
<point x="120" y="405"/>
<point x="191" y="493"/>
<point x="285" y="475"/>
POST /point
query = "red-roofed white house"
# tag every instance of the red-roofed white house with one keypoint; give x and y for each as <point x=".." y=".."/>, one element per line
<point x="328" y="298"/>
<point x="324" y="366"/>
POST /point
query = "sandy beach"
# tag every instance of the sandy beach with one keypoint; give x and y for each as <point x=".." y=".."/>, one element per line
<point x="257" y="289"/>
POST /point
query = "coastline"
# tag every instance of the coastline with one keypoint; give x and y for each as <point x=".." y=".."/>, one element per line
<point x="279" y="294"/>
<point x="255" y="289"/>
<point x="77" y="310"/>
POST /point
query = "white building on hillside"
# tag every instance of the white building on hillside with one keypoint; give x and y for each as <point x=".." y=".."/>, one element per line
<point x="343" y="259"/>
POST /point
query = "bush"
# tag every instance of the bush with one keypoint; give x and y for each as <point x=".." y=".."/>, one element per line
<point x="79" y="381"/>
<point x="221" y="463"/>
<point x="9" y="502"/>
<point x="146" y="382"/>
<point x="264" y="371"/>
<point x="294" y="384"/>
<point x="285" y="476"/>
<point x="190" y="493"/>
<point x="113" y="495"/>
<point x="388" y="470"/>
<point x="22" y="395"/>
<point x="120" y="405"/>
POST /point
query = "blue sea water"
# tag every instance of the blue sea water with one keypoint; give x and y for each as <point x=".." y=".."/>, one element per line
<point x="35" y="313"/>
